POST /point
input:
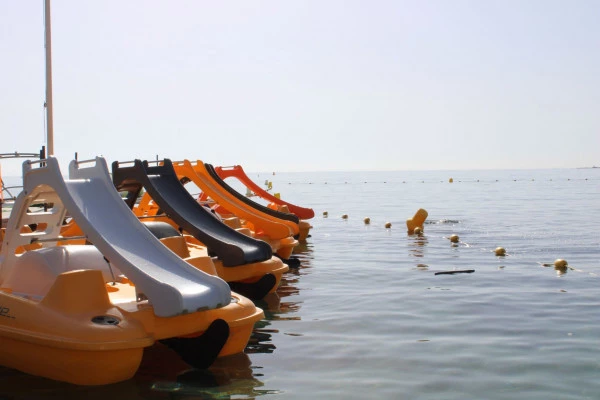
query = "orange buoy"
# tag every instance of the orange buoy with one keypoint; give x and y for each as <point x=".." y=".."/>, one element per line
<point x="388" y="225"/>
<point x="367" y="221"/>
<point x="454" y="238"/>
<point x="500" y="251"/>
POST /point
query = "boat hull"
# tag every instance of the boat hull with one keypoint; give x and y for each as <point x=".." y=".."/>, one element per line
<point x="79" y="367"/>
<point x="82" y="334"/>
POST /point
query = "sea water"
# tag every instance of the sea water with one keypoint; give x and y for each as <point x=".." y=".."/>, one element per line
<point x="366" y="317"/>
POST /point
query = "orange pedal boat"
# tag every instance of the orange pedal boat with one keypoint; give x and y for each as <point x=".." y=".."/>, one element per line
<point x="84" y="313"/>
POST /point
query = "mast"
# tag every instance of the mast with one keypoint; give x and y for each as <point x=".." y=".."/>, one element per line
<point x="48" y="104"/>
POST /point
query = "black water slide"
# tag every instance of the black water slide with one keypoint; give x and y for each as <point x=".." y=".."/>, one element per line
<point x="255" y="205"/>
<point x="161" y="183"/>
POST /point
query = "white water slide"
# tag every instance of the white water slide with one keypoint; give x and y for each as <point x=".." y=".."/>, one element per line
<point x="171" y="285"/>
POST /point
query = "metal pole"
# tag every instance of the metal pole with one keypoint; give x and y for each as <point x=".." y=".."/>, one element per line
<point x="49" y="110"/>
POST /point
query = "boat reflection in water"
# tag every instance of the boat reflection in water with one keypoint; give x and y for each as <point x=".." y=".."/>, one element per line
<point x="274" y="306"/>
<point x="417" y="245"/>
<point x="232" y="376"/>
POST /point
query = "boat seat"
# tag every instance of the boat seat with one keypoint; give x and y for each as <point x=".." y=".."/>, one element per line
<point x="177" y="245"/>
<point x="161" y="229"/>
<point x="35" y="271"/>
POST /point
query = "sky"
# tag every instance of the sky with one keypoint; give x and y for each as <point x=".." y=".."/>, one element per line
<point x="308" y="85"/>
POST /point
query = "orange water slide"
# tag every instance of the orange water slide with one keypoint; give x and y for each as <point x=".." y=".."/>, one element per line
<point x="273" y="227"/>
<point x="237" y="172"/>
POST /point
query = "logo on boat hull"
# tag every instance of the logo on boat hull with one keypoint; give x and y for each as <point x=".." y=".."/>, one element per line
<point x="5" y="312"/>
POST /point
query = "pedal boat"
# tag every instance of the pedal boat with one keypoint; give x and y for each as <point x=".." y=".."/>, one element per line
<point x="255" y="280"/>
<point x="253" y="277"/>
<point x="84" y="313"/>
<point x="276" y="228"/>
<point x="274" y="202"/>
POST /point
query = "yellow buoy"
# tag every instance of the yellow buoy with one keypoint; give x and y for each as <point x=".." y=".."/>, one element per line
<point x="367" y="220"/>
<point x="345" y="216"/>
<point x="560" y="266"/>
<point x="388" y="224"/>
<point x="450" y="180"/>
<point x="560" y="263"/>
<point x="454" y="238"/>
<point x="325" y="213"/>
<point x="500" y="251"/>
<point x="416" y="221"/>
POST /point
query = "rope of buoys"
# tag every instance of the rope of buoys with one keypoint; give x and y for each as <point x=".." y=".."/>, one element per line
<point x="415" y="227"/>
<point x="561" y="267"/>
<point x="450" y="180"/>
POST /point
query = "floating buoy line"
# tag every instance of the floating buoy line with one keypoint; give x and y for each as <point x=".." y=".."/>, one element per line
<point x="415" y="227"/>
<point x="450" y="180"/>
<point x="561" y="267"/>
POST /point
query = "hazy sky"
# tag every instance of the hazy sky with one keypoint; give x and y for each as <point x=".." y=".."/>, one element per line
<point x="309" y="85"/>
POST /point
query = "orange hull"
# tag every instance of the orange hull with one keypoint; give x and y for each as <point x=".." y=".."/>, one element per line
<point x="57" y="338"/>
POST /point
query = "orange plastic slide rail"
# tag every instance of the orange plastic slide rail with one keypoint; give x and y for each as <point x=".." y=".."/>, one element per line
<point x="237" y="172"/>
<point x="274" y="228"/>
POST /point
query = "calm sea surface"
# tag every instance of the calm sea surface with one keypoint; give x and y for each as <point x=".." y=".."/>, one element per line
<point x="365" y="316"/>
